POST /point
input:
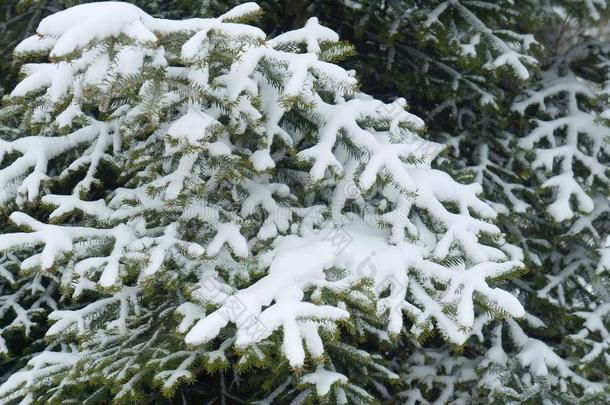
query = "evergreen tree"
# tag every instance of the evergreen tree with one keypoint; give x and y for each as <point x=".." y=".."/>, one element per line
<point x="19" y="19"/>
<point x="202" y="195"/>
<point x="532" y="131"/>
<point x="208" y="194"/>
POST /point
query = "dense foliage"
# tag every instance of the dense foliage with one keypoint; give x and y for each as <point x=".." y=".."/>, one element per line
<point x="183" y="197"/>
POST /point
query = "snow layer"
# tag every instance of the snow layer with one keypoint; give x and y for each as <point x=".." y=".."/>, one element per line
<point x="205" y="194"/>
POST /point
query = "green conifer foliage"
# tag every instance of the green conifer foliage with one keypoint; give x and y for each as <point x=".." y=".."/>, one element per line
<point x="198" y="209"/>
<point x="205" y="195"/>
<point x="537" y="140"/>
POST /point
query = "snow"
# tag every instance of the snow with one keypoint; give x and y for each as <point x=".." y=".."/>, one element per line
<point x="228" y="233"/>
<point x="129" y="60"/>
<point x="36" y="152"/>
<point x="195" y="46"/>
<point x="242" y="11"/>
<point x="308" y="258"/>
<point x="97" y="71"/>
<point x="604" y="263"/>
<point x="192" y="126"/>
<point x="261" y="160"/>
<point x="39" y="76"/>
<point x="504" y="54"/>
<point x="595" y="322"/>
<point x="34" y="44"/>
<point x="209" y="201"/>
<point x="582" y="145"/>
<point x="66" y="118"/>
<point x="323" y="380"/>
<point x="311" y="34"/>
<point x="44" y="365"/>
<point x="80" y="25"/>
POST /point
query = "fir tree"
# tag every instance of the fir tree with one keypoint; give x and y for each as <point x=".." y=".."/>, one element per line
<point x="534" y="135"/>
<point x="203" y="195"/>
<point x="19" y="19"/>
<point x="139" y="252"/>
